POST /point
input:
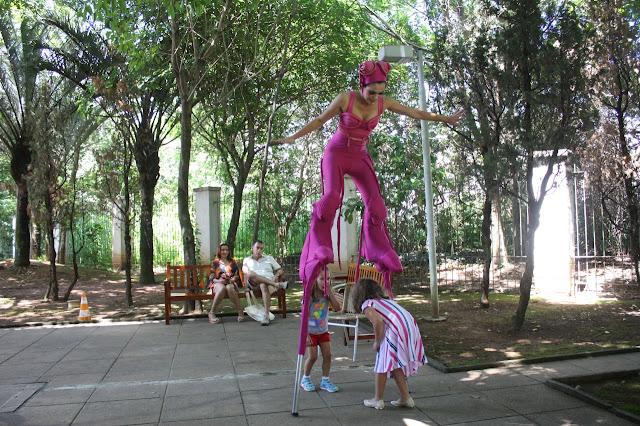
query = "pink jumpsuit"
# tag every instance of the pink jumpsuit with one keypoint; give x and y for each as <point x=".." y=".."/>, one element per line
<point x="346" y="155"/>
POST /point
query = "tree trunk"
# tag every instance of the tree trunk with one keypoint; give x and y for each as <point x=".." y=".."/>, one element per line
<point x="186" y="104"/>
<point x="20" y="161"/>
<point x="72" y="216"/>
<point x="147" y="190"/>
<point x="148" y="162"/>
<point x="188" y="240"/>
<point x="263" y="173"/>
<point x="127" y="248"/>
<point x="74" y="253"/>
<point x="36" y="241"/>
<point x="533" y="206"/>
<point x="49" y="193"/>
<point x="490" y="172"/>
<point x="527" y="278"/>
<point x="634" y="224"/>
<point x="186" y="107"/>
<point x="62" y="247"/>
<point x="22" y="235"/>
<point x="127" y="225"/>
<point x="486" y="251"/>
<point x="235" y="214"/>
<point x="498" y="247"/>
<point x="52" y="288"/>
<point x="516" y="215"/>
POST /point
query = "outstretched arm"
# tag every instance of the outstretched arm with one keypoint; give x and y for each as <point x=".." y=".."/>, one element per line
<point x="332" y="110"/>
<point x="395" y="106"/>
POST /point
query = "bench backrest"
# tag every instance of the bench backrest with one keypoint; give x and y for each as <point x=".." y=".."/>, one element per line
<point x="365" y="272"/>
<point x="188" y="277"/>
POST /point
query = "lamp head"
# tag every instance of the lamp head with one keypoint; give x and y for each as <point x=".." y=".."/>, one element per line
<point x="396" y="54"/>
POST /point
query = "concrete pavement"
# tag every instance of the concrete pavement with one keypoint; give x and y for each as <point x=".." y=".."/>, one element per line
<point x="192" y="372"/>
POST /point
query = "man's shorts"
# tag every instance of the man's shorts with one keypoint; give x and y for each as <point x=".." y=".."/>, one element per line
<point x="271" y="288"/>
<point x="316" y="339"/>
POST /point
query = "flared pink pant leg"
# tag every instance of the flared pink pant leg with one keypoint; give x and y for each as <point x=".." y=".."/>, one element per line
<point x="342" y="158"/>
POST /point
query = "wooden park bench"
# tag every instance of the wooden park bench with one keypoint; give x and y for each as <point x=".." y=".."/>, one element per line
<point x="189" y="282"/>
<point x="347" y="315"/>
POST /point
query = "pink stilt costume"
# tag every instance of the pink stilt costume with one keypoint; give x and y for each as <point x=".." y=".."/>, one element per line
<point x="346" y="154"/>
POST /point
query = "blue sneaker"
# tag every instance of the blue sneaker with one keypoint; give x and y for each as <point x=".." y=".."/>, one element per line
<point x="307" y="384"/>
<point x="328" y="386"/>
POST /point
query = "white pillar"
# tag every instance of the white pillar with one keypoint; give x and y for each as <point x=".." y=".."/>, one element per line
<point x="348" y="231"/>
<point x="552" y="269"/>
<point x="62" y="244"/>
<point x="207" y="201"/>
<point x="118" y="252"/>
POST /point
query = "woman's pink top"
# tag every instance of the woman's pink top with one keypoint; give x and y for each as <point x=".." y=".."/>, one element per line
<point x="356" y="129"/>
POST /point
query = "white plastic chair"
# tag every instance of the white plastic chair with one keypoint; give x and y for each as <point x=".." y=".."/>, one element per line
<point x="346" y="316"/>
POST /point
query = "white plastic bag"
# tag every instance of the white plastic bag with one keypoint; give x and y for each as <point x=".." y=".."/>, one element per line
<point x="254" y="309"/>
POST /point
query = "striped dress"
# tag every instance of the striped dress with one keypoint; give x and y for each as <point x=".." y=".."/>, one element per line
<point x="402" y="344"/>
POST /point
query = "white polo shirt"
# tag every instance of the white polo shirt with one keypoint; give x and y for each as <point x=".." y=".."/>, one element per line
<point x="265" y="266"/>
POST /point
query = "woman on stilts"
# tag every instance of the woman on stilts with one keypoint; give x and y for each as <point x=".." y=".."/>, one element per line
<point x="346" y="153"/>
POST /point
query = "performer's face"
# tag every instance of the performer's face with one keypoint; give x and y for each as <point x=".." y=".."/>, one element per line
<point x="372" y="92"/>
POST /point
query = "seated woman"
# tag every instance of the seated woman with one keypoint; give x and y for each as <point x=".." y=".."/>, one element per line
<point x="223" y="280"/>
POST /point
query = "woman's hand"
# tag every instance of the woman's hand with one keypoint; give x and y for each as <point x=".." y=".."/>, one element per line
<point x="376" y="346"/>
<point x="282" y="141"/>
<point x="454" y="119"/>
<point x="308" y="340"/>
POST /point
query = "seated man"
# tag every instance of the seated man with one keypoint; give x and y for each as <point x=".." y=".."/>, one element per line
<point x="264" y="273"/>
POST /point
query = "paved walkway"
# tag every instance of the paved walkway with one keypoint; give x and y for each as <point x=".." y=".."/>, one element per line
<point x="192" y="372"/>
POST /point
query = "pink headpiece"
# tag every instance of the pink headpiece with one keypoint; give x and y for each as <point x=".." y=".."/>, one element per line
<point x="373" y="72"/>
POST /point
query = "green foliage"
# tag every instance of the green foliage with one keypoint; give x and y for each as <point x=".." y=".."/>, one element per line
<point x="308" y="51"/>
<point x="96" y="238"/>
<point x="352" y="207"/>
<point x="7" y="210"/>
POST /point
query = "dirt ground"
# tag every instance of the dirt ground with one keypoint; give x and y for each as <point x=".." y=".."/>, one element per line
<point x="22" y="294"/>
<point x="472" y="335"/>
<point x="468" y="335"/>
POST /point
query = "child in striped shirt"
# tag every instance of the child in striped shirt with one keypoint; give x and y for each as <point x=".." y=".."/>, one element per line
<point x="398" y="342"/>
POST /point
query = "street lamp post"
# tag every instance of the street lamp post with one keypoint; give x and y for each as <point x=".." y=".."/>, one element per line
<point x="402" y="55"/>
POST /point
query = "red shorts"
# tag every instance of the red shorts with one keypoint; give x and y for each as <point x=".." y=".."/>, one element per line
<point x="316" y="339"/>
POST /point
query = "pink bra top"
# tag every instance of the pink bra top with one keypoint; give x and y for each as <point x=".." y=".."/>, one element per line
<point x="354" y="127"/>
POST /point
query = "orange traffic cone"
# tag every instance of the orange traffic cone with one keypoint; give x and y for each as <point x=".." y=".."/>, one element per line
<point x="84" y="314"/>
